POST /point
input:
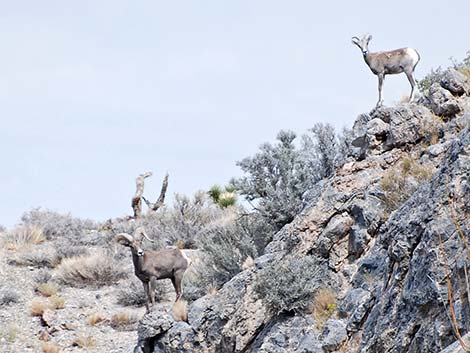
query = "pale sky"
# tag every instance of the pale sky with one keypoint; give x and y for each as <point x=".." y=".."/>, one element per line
<point x="92" y="93"/>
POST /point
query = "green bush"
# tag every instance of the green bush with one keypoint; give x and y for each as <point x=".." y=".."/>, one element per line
<point x="223" y="197"/>
<point x="226" y="244"/>
<point x="288" y="285"/>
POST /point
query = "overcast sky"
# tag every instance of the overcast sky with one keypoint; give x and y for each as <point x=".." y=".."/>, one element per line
<point x="93" y="93"/>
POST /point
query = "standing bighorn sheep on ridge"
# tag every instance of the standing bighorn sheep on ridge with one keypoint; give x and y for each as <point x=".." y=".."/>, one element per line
<point x="168" y="263"/>
<point x="389" y="62"/>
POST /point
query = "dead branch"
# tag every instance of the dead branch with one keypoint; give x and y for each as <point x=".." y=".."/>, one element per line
<point x="136" y="202"/>
<point x="161" y="199"/>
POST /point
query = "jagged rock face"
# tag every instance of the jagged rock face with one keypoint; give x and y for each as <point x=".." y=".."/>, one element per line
<point x="387" y="270"/>
<point x="408" y="312"/>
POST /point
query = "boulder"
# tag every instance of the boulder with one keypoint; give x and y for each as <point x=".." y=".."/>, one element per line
<point x="455" y="82"/>
<point x="442" y="102"/>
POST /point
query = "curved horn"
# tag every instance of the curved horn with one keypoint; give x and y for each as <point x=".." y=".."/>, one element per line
<point x="139" y="232"/>
<point x="123" y="237"/>
<point x="355" y="39"/>
<point x="146" y="237"/>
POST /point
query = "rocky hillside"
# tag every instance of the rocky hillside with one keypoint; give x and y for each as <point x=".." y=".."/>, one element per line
<point x="373" y="236"/>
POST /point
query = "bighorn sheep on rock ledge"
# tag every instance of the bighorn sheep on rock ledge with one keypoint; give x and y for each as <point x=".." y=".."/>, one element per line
<point x="168" y="263"/>
<point x="389" y="62"/>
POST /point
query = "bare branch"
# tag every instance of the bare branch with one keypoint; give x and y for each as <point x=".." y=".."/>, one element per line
<point x="161" y="199"/>
<point x="136" y="202"/>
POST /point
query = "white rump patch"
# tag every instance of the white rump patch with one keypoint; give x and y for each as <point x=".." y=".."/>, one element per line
<point x="413" y="55"/>
<point x="186" y="257"/>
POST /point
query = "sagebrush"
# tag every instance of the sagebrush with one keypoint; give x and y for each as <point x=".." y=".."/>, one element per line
<point x="288" y="285"/>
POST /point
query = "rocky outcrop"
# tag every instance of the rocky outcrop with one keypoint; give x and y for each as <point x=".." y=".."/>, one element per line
<point x="386" y="269"/>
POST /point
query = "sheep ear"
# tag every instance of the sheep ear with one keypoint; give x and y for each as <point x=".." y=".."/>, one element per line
<point x="369" y="38"/>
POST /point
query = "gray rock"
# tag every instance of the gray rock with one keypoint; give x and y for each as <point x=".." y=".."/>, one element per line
<point x="377" y="127"/>
<point x="406" y="123"/>
<point x="455" y="82"/>
<point x="442" y="102"/>
<point x="438" y="149"/>
<point x="333" y="335"/>
<point x="289" y="335"/>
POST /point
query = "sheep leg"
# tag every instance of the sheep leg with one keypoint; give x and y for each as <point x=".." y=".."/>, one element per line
<point x="177" y="280"/>
<point x="153" y="285"/>
<point x="409" y="75"/>
<point x="381" y="82"/>
<point x="147" y="293"/>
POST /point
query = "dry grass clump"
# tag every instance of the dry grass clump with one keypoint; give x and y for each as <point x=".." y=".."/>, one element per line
<point x="38" y="305"/>
<point x="399" y="183"/>
<point x="95" y="319"/>
<point x="48" y="289"/>
<point x="431" y="129"/>
<point x="50" y="347"/>
<point x="56" y="302"/>
<point x="180" y="310"/>
<point x="24" y="236"/>
<point x="84" y="341"/>
<point x="97" y="269"/>
<point x="9" y="333"/>
<point x="249" y="262"/>
<point x="323" y="306"/>
<point x="123" y="319"/>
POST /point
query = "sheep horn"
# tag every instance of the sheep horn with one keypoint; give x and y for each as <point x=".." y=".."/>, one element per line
<point x="124" y="237"/>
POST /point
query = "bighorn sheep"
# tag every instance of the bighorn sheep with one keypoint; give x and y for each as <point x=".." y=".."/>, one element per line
<point x="389" y="62"/>
<point x="151" y="265"/>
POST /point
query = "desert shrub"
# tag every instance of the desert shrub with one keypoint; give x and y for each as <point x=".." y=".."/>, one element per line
<point x="224" y="197"/>
<point x="97" y="269"/>
<point x="42" y="276"/>
<point x="187" y="218"/>
<point x="40" y="258"/>
<point x="279" y="179"/>
<point x="3" y="229"/>
<point x="8" y="296"/>
<point x="427" y="81"/>
<point x="95" y="319"/>
<point x="323" y="305"/>
<point x="9" y="333"/>
<point x="436" y="75"/>
<point x="49" y="347"/>
<point x="225" y="246"/>
<point x="179" y="311"/>
<point x="399" y="183"/>
<point x="66" y="250"/>
<point x="84" y="341"/>
<point x="48" y="289"/>
<point x="56" y="302"/>
<point x="23" y="236"/>
<point x="38" y="306"/>
<point x="131" y="293"/>
<point x="288" y="285"/>
<point x="432" y="130"/>
<point x="56" y="225"/>
<point x="124" y="320"/>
